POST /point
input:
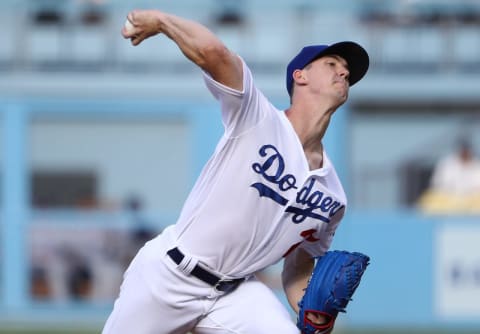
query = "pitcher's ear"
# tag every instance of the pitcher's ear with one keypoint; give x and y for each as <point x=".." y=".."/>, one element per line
<point x="299" y="77"/>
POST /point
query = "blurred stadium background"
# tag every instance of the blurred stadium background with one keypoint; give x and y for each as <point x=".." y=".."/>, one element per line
<point x="100" y="143"/>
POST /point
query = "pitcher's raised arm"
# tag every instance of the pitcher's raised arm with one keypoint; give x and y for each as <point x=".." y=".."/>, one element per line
<point x="195" y="40"/>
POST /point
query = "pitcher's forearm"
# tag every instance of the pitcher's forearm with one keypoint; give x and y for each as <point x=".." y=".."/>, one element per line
<point x="195" y="41"/>
<point x="296" y="272"/>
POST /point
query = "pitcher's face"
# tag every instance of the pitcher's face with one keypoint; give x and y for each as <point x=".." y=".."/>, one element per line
<point x="329" y="75"/>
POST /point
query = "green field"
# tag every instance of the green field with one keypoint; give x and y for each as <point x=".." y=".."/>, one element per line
<point x="378" y="331"/>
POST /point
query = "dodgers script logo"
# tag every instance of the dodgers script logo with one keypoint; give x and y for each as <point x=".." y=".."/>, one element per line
<point x="308" y="202"/>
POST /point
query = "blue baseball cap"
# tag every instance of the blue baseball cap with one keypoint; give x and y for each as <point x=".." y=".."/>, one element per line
<point x="355" y="56"/>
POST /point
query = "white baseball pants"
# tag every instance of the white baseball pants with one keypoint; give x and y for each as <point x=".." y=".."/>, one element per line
<point x="157" y="298"/>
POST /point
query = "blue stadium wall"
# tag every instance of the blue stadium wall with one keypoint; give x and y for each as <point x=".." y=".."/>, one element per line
<point x="424" y="272"/>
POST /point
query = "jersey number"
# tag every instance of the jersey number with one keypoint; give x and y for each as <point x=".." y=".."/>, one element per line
<point x="306" y="235"/>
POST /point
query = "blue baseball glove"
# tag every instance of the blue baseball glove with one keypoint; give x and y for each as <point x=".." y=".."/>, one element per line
<point x="334" y="279"/>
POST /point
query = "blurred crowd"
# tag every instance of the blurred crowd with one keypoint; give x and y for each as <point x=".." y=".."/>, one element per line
<point x="455" y="183"/>
<point x="85" y="264"/>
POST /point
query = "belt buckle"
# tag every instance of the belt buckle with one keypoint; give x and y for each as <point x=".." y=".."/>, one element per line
<point x="225" y="286"/>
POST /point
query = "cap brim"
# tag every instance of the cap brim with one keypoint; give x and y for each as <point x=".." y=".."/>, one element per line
<point x="355" y="56"/>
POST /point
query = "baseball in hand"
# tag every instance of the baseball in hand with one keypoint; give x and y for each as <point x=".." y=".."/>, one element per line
<point x="129" y="28"/>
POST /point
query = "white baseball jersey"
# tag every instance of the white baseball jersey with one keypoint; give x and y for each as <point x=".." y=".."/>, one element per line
<point x="256" y="198"/>
<point x="255" y="201"/>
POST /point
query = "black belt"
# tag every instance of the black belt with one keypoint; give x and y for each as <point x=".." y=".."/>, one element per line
<point x="222" y="285"/>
